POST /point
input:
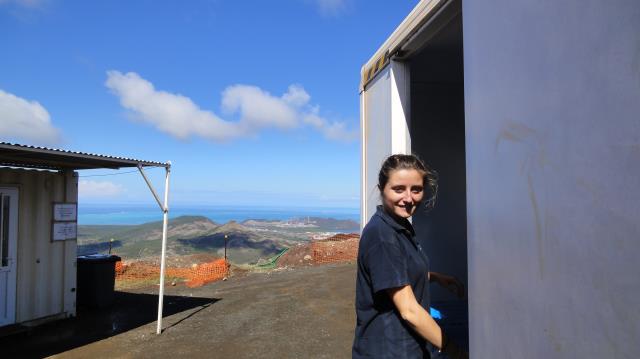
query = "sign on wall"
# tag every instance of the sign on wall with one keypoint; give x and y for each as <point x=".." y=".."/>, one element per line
<point x="64" y="230"/>
<point x="65" y="212"/>
<point x="64" y="224"/>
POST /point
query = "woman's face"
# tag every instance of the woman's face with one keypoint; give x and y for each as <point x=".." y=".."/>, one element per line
<point x="403" y="192"/>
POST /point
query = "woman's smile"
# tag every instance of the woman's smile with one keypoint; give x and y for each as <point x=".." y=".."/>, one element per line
<point x="403" y="192"/>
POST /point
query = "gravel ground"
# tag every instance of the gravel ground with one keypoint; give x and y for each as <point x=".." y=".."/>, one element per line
<point x="303" y="313"/>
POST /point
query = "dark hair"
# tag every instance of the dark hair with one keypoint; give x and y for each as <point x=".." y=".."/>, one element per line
<point x="398" y="162"/>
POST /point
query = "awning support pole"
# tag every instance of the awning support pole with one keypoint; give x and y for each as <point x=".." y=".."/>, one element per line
<point x="153" y="191"/>
<point x="165" y="220"/>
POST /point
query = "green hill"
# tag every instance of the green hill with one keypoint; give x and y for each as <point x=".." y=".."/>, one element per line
<point x="186" y="235"/>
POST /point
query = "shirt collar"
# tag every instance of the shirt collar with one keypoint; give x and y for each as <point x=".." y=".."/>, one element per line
<point x="380" y="212"/>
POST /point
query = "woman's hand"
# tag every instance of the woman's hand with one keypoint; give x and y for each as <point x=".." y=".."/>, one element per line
<point x="448" y="282"/>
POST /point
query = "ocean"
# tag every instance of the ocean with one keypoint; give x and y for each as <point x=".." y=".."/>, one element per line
<point x="89" y="214"/>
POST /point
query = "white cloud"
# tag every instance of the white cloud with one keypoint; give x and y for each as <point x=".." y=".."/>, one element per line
<point x="257" y="109"/>
<point x="25" y="120"/>
<point x="174" y="114"/>
<point x="296" y="96"/>
<point x="331" y="7"/>
<point x="25" y="4"/>
<point x="331" y="130"/>
<point x="99" y="189"/>
<point x="27" y="11"/>
<point x="31" y="4"/>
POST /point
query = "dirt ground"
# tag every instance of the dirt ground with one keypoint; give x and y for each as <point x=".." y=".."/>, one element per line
<point x="303" y="313"/>
<point x="340" y="248"/>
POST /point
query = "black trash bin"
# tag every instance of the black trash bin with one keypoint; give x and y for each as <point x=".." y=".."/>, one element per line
<point x="96" y="279"/>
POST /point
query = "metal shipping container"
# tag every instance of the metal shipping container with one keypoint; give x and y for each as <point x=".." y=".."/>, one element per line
<point x="45" y="271"/>
<point x="530" y="112"/>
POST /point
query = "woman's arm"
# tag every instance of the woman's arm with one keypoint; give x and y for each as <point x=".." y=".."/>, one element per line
<point x="414" y="314"/>
<point x="422" y="322"/>
<point x="446" y="281"/>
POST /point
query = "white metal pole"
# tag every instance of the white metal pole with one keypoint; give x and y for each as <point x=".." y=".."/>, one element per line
<point x="153" y="191"/>
<point x="165" y="220"/>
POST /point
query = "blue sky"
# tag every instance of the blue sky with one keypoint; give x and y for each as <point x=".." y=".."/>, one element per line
<point x="254" y="102"/>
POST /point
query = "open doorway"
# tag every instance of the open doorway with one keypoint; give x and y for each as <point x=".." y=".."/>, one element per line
<point x="437" y="131"/>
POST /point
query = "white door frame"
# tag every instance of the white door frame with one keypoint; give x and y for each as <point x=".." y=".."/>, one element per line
<point x="8" y="273"/>
<point x="384" y="127"/>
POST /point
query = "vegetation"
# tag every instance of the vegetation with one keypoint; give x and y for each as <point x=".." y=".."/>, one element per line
<point x="247" y="242"/>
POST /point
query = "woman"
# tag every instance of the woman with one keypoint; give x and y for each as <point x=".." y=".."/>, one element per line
<point x="392" y="288"/>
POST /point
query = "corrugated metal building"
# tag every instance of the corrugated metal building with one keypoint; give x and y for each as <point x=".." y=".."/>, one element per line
<point x="37" y="273"/>
<point x="45" y="269"/>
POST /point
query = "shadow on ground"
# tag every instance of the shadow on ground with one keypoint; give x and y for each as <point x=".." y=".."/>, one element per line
<point x="129" y="311"/>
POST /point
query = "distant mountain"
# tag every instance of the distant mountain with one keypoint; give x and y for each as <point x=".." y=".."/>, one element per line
<point x="244" y="245"/>
<point x="186" y="235"/>
<point x="184" y="226"/>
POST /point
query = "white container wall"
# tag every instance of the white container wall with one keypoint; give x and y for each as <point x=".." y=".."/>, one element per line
<point x="552" y="106"/>
<point x="46" y="271"/>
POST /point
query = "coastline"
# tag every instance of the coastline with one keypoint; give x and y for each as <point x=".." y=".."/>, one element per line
<point x="135" y="214"/>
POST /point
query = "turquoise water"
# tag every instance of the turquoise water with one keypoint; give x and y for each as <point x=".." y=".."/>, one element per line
<point x="138" y="214"/>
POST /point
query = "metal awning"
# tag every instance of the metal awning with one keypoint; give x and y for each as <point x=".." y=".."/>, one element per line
<point x="17" y="155"/>
<point x="409" y="35"/>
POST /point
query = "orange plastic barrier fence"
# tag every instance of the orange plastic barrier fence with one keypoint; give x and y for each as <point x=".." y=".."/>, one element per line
<point x="140" y="273"/>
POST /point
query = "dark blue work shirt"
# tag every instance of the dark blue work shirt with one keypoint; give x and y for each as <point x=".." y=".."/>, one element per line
<point x="388" y="257"/>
